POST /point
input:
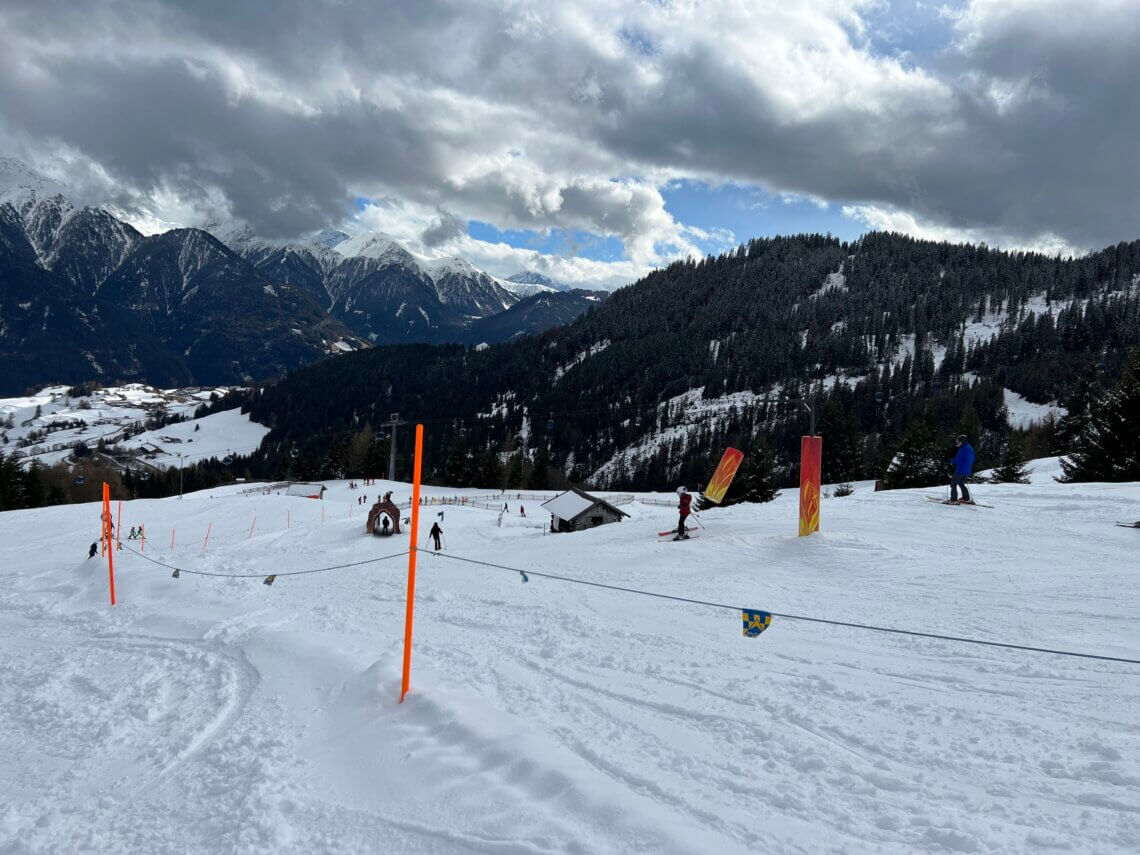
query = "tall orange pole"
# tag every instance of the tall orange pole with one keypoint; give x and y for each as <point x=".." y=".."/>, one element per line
<point x="107" y="537"/>
<point x="412" y="562"/>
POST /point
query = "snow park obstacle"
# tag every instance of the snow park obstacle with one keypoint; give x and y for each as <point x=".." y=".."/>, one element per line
<point x="383" y="510"/>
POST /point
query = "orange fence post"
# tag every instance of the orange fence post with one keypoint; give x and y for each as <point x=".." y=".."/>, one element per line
<point x="251" y="525"/>
<point x="412" y="562"/>
<point x="811" y="454"/>
<point x="142" y="537"/>
<point x="107" y="537"/>
<point x="119" y="527"/>
<point x="207" y="540"/>
<point x="172" y="540"/>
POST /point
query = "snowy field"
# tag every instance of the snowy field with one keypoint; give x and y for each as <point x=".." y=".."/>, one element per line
<point x="46" y="426"/>
<point x="219" y="715"/>
<point x="216" y="435"/>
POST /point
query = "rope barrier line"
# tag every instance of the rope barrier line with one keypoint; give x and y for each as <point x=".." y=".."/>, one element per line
<point x="852" y="625"/>
<point x="263" y="575"/>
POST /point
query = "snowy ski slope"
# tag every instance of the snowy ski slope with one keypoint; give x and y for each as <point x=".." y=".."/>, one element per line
<point x="219" y="715"/>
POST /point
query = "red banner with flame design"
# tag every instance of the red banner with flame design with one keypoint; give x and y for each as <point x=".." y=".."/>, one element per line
<point x="723" y="476"/>
<point x="811" y="456"/>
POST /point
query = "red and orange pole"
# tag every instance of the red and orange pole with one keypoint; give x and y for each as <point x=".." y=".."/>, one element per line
<point x="414" y="534"/>
<point x="107" y="538"/>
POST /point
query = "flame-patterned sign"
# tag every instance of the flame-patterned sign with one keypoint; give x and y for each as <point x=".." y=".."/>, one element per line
<point x="723" y="476"/>
<point x="811" y="455"/>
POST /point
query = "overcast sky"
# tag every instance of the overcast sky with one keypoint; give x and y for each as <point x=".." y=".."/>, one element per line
<point x="588" y="139"/>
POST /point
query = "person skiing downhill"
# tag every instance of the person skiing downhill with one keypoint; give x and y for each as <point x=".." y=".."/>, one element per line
<point x="436" y="532"/>
<point x="686" y="501"/>
<point x="963" y="462"/>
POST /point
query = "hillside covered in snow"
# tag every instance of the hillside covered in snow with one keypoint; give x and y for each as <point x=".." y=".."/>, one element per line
<point x="214" y="713"/>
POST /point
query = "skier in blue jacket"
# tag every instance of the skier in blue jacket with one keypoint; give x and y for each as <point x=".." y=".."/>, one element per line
<point x="963" y="465"/>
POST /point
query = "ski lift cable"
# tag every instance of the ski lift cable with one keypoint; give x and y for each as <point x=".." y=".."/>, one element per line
<point x="850" y="624"/>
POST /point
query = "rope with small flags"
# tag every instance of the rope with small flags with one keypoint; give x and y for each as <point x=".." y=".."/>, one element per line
<point x="756" y="621"/>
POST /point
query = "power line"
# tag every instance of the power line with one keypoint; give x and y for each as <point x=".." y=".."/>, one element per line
<point x="850" y="624"/>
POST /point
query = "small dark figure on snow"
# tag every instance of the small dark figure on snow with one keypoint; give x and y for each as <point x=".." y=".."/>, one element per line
<point x="384" y="524"/>
<point x="522" y="511"/>
<point x="436" y="532"/>
<point x="134" y="535"/>
<point x="91" y="552"/>
<point x="684" y="508"/>
<point x="963" y="462"/>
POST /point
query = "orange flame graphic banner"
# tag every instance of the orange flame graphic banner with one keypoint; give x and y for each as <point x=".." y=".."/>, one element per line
<point x="723" y="476"/>
<point x="811" y="456"/>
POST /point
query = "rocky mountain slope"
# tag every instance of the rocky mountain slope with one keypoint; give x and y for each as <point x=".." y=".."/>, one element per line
<point x="84" y="295"/>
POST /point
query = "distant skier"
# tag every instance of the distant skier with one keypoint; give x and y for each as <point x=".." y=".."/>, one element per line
<point x="436" y="532"/>
<point x="522" y="511"/>
<point x="91" y="552"/>
<point x="684" y="508"/>
<point x="134" y="535"/>
<point x="963" y="462"/>
<point x="384" y="525"/>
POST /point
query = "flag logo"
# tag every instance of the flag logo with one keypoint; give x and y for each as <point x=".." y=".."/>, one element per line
<point x="755" y="622"/>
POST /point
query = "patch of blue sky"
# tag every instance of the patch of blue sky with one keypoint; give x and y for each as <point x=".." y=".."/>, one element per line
<point x="749" y="212"/>
<point x="564" y="242"/>
<point x="916" y="30"/>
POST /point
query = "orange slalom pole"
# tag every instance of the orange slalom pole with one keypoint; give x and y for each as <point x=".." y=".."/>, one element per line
<point x="107" y="535"/>
<point x="119" y="527"/>
<point x="412" y="563"/>
<point x="207" y="540"/>
<point x="251" y="525"/>
<point x="142" y="537"/>
<point x="172" y="540"/>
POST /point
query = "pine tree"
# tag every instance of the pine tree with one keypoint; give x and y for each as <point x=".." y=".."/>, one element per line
<point x="918" y="461"/>
<point x="514" y="472"/>
<point x="1012" y="469"/>
<point x="1108" y="448"/>
<point x="1076" y="419"/>
<point x="755" y="480"/>
<point x="840" y="444"/>
<point x="540" y="477"/>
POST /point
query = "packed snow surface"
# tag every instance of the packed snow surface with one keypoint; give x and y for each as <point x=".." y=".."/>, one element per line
<point x="206" y="714"/>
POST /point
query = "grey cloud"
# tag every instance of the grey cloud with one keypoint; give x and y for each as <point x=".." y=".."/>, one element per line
<point x="446" y="228"/>
<point x="403" y="98"/>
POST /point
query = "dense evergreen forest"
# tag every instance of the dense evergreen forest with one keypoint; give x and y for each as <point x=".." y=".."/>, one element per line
<point x="879" y="338"/>
<point x="781" y="317"/>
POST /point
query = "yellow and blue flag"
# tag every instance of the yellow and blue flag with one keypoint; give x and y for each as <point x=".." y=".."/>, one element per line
<point x="755" y="622"/>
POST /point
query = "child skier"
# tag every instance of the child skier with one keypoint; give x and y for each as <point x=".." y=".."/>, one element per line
<point x="963" y="462"/>
<point x="684" y="508"/>
<point x="435" y="533"/>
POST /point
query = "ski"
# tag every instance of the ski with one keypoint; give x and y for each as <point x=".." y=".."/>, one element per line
<point x="939" y="500"/>
<point x="1128" y="525"/>
<point x="690" y="537"/>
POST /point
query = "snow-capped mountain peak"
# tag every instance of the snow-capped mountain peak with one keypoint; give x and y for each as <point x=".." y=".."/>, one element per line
<point x="23" y="186"/>
<point x="329" y="238"/>
<point x="374" y="245"/>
